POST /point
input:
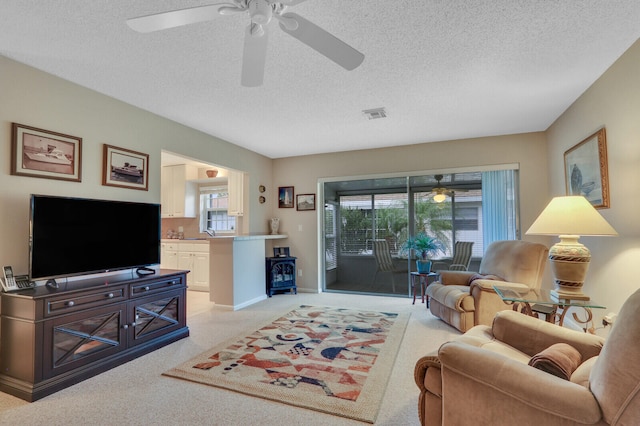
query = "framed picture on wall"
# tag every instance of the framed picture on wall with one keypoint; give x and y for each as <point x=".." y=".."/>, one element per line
<point x="586" y="170"/>
<point x="45" y="154"/>
<point x="285" y="197"/>
<point x="125" y="168"/>
<point x="305" y="202"/>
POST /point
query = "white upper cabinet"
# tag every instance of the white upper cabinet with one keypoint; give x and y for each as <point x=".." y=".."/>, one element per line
<point x="179" y="195"/>
<point x="236" y="193"/>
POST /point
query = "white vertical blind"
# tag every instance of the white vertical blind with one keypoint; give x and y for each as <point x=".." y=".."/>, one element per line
<point x="498" y="206"/>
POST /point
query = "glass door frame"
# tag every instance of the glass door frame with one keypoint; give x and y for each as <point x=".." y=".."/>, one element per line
<point x="321" y="272"/>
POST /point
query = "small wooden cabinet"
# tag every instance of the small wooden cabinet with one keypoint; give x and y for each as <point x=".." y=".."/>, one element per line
<point x="52" y="339"/>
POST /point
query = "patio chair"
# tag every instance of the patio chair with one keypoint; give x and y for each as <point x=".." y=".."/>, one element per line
<point x="384" y="261"/>
<point x="460" y="260"/>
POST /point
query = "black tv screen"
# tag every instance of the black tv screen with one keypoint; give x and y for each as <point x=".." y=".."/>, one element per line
<point x="76" y="236"/>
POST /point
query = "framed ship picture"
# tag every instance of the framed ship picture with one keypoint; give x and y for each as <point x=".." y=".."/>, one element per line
<point x="125" y="168"/>
<point x="45" y="154"/>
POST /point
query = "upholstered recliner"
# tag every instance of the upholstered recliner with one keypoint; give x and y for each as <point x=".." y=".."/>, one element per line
<point x="463" y="304"/>
<point x="483" y="377"/>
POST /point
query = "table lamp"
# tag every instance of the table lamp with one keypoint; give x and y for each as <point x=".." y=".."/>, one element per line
<point x="569" y="218"/>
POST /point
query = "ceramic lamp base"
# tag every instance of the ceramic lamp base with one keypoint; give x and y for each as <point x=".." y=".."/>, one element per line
<point x="569" y="264"/>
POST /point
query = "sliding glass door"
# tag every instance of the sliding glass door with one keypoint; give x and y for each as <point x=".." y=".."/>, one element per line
<point x="367" y="222"/>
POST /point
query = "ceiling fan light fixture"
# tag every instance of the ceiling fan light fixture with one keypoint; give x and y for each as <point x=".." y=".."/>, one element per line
<point x="439" y="197"/>
<point x="260" y="12"/>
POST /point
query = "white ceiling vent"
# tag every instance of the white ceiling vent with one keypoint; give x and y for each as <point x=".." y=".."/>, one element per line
<point x="372" y="114"/>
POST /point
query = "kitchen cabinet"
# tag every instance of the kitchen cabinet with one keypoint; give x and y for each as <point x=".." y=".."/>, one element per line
<point x="169" y="255"/>
<point x="191" y="256"/>
<point x="54" y="338"/>
<point x="179" y="195"/>
<point x="236" y="194"/>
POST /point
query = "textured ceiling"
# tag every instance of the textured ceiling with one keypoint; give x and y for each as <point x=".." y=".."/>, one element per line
<point x="442" y="69"/>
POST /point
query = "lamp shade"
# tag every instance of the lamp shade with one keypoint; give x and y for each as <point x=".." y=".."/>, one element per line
<point x="570" y="215"/>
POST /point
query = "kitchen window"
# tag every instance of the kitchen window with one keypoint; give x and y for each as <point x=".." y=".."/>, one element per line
<point x="214" y="205"/>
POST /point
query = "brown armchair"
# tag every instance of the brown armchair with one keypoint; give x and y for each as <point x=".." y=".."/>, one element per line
<point x="483" y="377"/>
<point x="463" y="304"/>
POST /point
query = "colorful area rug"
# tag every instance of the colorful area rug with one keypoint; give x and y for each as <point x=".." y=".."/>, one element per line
<point x="333" y="360"/>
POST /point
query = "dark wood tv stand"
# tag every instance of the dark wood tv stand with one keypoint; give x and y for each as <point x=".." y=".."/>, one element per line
<point x="53" y="338"/>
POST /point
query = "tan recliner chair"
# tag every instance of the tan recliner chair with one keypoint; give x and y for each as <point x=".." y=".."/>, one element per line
<point x="462" y="304"/>
<point x="483" y="377"/>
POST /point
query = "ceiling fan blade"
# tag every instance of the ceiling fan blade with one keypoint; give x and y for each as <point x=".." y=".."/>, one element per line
<point x="254" y="57"/>
<point x="176" y="18"/>
<point x="323" y="42"/>
<point x="291" y="2"/>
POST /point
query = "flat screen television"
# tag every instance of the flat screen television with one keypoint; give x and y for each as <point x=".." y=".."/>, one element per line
<point x="77" y="236"/>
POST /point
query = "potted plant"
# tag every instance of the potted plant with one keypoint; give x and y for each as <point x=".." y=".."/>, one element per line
<point x="426" y="246"/>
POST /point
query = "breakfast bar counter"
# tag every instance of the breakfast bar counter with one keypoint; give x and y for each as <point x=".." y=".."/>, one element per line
<point x="237" y="277"/>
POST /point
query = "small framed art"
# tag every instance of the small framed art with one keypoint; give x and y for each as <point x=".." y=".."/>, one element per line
<point x="125" y="168"/>
<point x="586" y="170"/>
<point x="285" y="197"/>
<point x="305" y="202"/>
<point x="45" y="154"/>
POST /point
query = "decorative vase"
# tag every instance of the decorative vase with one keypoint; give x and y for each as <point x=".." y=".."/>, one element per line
<point x="424" y="266"/>
<point x="275" y="224"/>
<point x="212" y="173"/>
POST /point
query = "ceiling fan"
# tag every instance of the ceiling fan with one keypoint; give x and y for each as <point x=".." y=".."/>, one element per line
<point x="261" y="13"/>
<point x="440" y="193"/>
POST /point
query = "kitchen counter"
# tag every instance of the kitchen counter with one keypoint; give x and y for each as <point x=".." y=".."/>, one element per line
<point x="237" y="270"/>
<point x="237" y="276"/>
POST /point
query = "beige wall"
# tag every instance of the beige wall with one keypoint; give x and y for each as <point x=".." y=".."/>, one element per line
<point x="613" y="102"/>
<point x="529" y="150"/>
<point x="34" y="98"/>
<point x="41" y="100"/>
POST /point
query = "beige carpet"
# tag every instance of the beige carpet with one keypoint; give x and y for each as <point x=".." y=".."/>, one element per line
<point x="136" y="393"/>
<point x="329" y="359"/>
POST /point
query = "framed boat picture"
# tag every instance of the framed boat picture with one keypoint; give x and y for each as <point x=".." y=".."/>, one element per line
<point x="45" y="154"/>
<point x="125" y="168"/>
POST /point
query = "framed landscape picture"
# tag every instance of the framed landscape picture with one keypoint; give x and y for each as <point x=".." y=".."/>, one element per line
<point x="125" y="168"/>
<point x="305" y="202"/>
<point x="285" y="197"/>
<point x="586" y="170"/>
<point x="45" y="154"/>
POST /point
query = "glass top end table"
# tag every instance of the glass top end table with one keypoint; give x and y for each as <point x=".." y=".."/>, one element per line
<point x="535" y="301"/>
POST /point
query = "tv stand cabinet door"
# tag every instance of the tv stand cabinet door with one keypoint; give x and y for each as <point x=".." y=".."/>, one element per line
<point x="157" y="315"/>
<point x="73" y="341"/>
